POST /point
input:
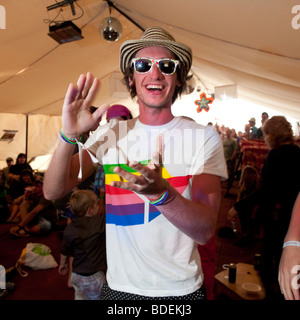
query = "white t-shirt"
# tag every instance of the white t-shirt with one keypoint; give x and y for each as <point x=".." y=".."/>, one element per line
<point x="147" y="254"/>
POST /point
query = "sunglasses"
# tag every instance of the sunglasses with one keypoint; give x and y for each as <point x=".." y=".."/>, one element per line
<point x="144" y="65"/>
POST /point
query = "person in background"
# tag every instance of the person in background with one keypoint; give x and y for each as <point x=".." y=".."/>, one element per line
<point x="230" y="147"/>
<point x="18" y="186"/>
<point x="84" y="240"/>
<point x="5" y="170"/>
<point x="4" y="210"/>
<point x="264" y="118"/>
<point x="40" y="218"/>
<point x="253" y="128"/>
<point x="289" y="266"/>
<point x="20" y="165"/>
<point x="247" y="134"/>
<point x="15" y="176"/>
<point x="248" y="184"/>
<point x="275" y="198"/>
<point x="118" y="112"/>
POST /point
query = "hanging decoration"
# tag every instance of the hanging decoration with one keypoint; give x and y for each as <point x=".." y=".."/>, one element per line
<point x="203" y="103"/>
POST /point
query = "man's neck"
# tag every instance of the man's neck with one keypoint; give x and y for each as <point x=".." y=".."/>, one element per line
<point x="155" y="116"/>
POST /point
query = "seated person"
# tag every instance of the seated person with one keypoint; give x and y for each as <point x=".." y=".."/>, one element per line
<point x="4" y="211"/>
<point x="18" y="185"/>
<point x="40" y="220"/>
<point x="248" y="184"/>
<point x="23" y="204"/>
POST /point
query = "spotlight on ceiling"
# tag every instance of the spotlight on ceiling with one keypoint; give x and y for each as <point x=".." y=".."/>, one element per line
<point x="110" y="29"/>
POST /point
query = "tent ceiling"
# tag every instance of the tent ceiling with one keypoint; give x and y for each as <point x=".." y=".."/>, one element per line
<point x="248" y="43"/>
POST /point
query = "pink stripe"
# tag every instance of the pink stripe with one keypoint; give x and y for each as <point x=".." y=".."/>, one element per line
<point x="123" y="199"/>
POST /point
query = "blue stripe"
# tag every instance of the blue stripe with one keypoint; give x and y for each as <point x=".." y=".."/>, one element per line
<point x="153" y="215"/>
<point x="128" y="220"/>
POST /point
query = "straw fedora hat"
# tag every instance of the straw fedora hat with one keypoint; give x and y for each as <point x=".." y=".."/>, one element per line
<point x="156" y="37"/>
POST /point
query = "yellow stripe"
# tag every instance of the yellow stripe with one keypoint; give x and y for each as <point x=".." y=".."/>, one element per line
<point x="114" y="177"/>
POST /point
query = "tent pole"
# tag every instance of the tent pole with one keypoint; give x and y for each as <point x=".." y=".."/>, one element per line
<point x="26" y="138"/>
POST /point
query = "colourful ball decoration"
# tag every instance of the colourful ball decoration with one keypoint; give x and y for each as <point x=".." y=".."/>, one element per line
<point x="203" y="103"/>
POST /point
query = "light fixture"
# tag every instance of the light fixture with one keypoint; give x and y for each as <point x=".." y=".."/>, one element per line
<point x="8" y="135"/>
<point x="110" y="28"/>
<point x="64" y="31"/>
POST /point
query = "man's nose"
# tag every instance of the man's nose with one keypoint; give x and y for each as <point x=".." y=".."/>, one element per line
<point x="155" y="72"/>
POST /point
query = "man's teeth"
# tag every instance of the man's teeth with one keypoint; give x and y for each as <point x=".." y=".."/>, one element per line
<point x="154" y="87"/>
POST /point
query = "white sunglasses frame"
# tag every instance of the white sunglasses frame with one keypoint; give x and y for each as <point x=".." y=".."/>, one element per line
<point x="177" y="63"/>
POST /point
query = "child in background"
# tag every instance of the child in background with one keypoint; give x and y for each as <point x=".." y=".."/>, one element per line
<point x="84" y="240"/>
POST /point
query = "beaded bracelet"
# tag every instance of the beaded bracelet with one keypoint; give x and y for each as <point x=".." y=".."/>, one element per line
<point x="68" y="140"/>
<point x="291" y="243"/>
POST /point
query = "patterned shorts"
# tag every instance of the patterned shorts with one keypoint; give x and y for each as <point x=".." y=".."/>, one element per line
<point x="88" y="287"/>
<point x="110" y="294"/>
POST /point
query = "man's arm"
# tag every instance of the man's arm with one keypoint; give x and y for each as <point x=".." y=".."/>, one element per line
<point x="61" y="176"/>
<point x="290" y="257"/>
<point x="197" y="218"/>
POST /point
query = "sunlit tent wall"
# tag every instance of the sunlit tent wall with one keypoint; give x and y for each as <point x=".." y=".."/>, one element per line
<point x="35" y="135"/>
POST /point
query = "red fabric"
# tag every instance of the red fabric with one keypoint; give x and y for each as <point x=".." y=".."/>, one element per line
<point x="254" y="153"/>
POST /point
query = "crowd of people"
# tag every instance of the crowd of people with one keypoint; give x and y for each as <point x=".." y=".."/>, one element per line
<point x="265" y="202"/>
<point x="157" y="212"/>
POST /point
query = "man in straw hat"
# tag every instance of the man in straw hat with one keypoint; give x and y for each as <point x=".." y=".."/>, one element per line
<point x="162" y="174"/>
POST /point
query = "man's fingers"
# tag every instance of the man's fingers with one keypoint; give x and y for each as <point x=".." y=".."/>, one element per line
<point x="145" y="171"/>
<point x="87" y="86"/>
<point x="80" y="85"/>
<point x="91" y="87"/>
<point x="99" y="112"/>
<point x="70" y="94"/>
<point x="157" y="155"/>
<point x="131" y="178"/>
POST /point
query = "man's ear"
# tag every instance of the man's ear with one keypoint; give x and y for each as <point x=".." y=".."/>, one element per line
<point x="131" y="82"/>
<point x="178" y="83"/>
<point x="89" y="212"/>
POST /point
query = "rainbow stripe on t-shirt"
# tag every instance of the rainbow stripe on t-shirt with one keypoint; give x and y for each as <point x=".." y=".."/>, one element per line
<point x="126" y="208"/>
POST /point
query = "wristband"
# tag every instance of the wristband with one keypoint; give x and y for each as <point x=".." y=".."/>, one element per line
<point x="162" y="198"/>
<point x="291" y="243"/>
<point x="68" y="140"/>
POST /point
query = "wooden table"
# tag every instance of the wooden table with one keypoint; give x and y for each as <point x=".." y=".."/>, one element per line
<point x="244" y="273"/>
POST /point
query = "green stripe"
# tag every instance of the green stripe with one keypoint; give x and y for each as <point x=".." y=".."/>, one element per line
<point x="109" y="168"/>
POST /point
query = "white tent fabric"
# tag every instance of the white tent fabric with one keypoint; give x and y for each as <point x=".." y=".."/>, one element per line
<point x="251" y="44"/>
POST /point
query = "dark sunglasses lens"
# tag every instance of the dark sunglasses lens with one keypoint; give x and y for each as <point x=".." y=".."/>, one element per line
<point x="167" y="66"/>
<point x="143" y="65"/>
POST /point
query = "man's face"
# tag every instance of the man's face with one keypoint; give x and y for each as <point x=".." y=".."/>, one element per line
<point x="26" y="178"/>
<point x="22" y="159"/>
<point x="264" y="117"/>
<point x="153" y="88"/>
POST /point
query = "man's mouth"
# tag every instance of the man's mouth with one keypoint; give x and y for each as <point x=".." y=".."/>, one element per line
<point x="154" y="87"/>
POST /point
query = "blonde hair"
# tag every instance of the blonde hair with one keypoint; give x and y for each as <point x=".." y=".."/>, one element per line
<point x="81" y="200"/>
<point x="279" y="131"/>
